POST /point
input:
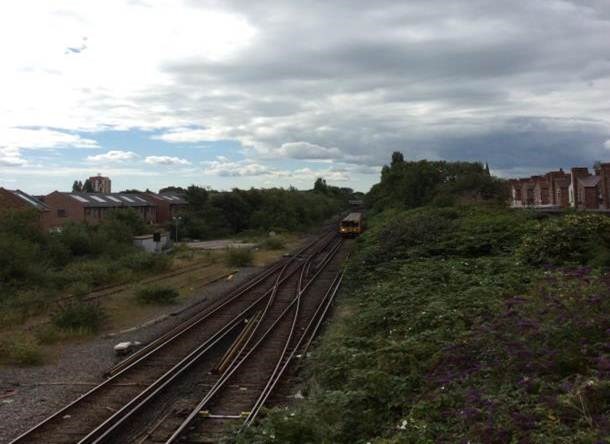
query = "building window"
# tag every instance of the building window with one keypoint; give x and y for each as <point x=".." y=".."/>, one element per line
<point x="61" y="213"/>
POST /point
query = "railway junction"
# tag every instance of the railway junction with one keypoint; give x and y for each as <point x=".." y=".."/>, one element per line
<point x="213" y="372"/>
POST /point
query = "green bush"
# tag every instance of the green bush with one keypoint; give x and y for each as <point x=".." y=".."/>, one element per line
<point x="157" y="295"/>
<point x="80" y="318"/>
<point x="570" y="239"/>
<point x="92" y="272"/>
<point x="146" y="262"/>
<point x="21" y="350"/>
<point x="274" y="243"/>
<point x="239" y="257"/>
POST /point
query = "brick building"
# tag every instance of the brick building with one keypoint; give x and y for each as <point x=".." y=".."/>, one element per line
<point x="94" y="207"/>
<point x="557" y="189"/>
<point x="101" y="184"/>
<point x="522" y="192"/>
<point x="18" y="200"/>
<point x="169" y="204"/>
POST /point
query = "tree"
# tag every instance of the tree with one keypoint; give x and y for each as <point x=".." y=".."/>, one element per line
<point x="320" y="185"/>
<point x="397" y="158"/>
<point x="172" y="189"/>
<point x="77" y="186"/>
<point x="197" y="197"/>
<point x="88" y="186"/>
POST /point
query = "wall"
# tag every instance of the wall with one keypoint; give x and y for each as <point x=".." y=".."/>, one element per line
<point x="147" y="243"/>
<point x="73" y="210"/>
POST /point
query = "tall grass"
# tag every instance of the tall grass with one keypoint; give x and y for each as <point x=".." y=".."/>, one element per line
<point x="80" y="318"/>
<point x="239" y="257"/>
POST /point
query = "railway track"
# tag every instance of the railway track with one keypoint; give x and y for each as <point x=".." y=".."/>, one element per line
<point x="149" y="385"/>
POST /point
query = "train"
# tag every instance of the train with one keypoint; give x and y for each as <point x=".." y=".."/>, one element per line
<point x="351" y="225"/>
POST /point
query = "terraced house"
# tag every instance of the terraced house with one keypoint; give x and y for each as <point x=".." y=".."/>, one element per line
<point x="578" y="189"/>
<point x="94" y="207"/>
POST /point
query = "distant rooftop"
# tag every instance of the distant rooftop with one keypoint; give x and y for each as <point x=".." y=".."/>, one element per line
<point x="108" y="200"/>
<point x="172" y="197"/>
<point x="30" y="200"/>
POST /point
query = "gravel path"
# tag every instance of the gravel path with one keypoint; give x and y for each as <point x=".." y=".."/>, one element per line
<point x="28" y="395"/>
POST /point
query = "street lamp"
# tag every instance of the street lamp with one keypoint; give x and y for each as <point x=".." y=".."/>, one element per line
<point x="176" y="222"/>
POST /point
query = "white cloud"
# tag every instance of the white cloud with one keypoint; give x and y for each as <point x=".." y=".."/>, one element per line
<point x="45" y="83"/>
<point x="226" y="168"/>
<point x="607" y="144"/>
<point x="306" y="150"/>
<point x="113" y="156"/>
<point x="309" y="175"/>
<point x="10" y="156"/>
<point x="42" y="138"/>
<point x="166" y="160"/>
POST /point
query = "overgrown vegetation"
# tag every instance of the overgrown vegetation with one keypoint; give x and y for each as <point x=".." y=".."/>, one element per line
<point x="35" y="267"/>
<point x="239" y="257"/>
<point x="214" y="214"/>
<point x="79" y="318"/>
<point x="273" y="243"/>
<point x="21" y="350"/>
<point x="157" y="294"/>
<point x="462" y="324"/>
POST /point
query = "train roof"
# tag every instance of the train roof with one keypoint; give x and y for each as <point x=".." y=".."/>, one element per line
<point x="353" y="217"/>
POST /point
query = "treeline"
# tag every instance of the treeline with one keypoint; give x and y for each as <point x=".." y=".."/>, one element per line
<point x="409" y="184"/>
<point x="224" y="213"/>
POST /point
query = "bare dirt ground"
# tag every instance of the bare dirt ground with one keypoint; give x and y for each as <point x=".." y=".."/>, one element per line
<point x="220" y="244"/>
<point x="30" y="394"/>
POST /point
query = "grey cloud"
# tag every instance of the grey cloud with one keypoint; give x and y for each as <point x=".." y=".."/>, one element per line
<point x="520" y="84"/>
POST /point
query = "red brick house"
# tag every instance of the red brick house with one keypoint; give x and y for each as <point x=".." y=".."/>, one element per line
<point x="558" y="183"/>
<point x="18" y="200"/>
<point x="169" y="204"/>
<point x="541" y="191"/>
<point x="94" y="207"/>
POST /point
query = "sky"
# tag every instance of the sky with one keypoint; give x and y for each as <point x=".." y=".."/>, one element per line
<point x="237" y="93"/>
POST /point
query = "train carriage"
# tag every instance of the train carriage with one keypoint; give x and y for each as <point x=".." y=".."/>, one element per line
<point x="351" y="225"/>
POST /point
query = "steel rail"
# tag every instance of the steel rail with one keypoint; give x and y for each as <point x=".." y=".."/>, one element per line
<point x="208" y="311"/>
<point x="274" y="374"/>
<point x="239" y="361"/>
<point x="321" y="310"/>
<point x="167" y="338"/>
<point x="202" y="315"/>
<point x="120" y="416"/>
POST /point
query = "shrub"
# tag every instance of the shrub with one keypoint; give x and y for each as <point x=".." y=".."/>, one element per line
<point x="21" y="350"/>
<point x="80" y="318"/>
<point x="157" y="295"/>
<point x="571" y="239"/>
<point x="274" y="243"/>
<point x="147" y="262"/>
<point x="92" y="272"/>
<point x="239" y="257"/>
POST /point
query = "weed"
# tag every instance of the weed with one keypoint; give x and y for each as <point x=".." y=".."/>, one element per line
<point x="157" y="295"/>
<point x="80" y="318"/>
<point x="239" y="257"/>
<point x="21" y="350"/>
<point x="273" y="243"/>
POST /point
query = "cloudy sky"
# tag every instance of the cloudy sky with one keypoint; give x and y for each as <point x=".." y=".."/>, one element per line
<point x="274" y="93"/>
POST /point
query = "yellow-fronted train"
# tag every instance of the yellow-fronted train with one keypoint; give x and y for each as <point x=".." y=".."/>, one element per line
<point x="351" y="225"/>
